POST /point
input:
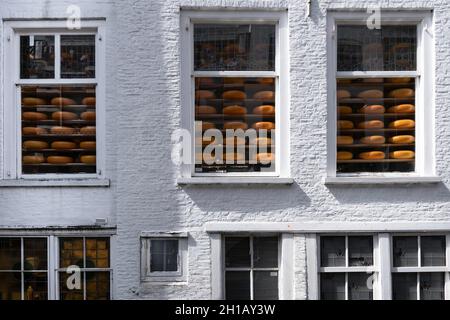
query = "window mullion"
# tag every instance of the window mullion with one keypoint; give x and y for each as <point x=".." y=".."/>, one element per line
<point x="22" y="268"/>
<point x="57" y="56"/>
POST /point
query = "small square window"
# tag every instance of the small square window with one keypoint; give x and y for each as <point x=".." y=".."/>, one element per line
<point x="163" y="255"/>
<point x="332" y="286"/>
<point x="432" y="286"/>
<point x="405" y="252"/>
<point x="360" y="250"/>
<point x="360" y="286"/>
<point x="432" y="251"/>
<point x="333" y="251"/>
<point x="404" y="286"/>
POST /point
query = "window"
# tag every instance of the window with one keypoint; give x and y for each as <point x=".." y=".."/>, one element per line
<point x="251" y="268"/>
<point x="382" y="81"/>
<point x="53" y="101"/>
<point x="419" y="267"/>
<point x="164" y="258"/>
<point x="235" y="100"/>
<point x="346" y="267"/>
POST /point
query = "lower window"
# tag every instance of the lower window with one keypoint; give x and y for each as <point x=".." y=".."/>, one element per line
<point x="251" y="268"/>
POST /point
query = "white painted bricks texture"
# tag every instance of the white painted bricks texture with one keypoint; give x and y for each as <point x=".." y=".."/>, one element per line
<point x="143" y="109"/>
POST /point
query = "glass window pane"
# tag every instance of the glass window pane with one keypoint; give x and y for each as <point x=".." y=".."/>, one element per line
<point x="235" y="125"/>
<point x="237" y="252"/>
<point x="391" y="48"/>
<point x="360" y="286"/>
<point x="70" y="288"/>
<point x="332" y="286"/>
<point x="238" y="47"/>
<point x="37" y="57"/>
<point x="432" y="286"/>
<point x="36" y="286"/>
<point x="97" y="252"/>
<point x="265" y="252"/>
<point x="433" y="251"/>
<point x="332" y="251"/>
<point x="77" y="56"/>
<point x="404" y="286"/>
<point x="360" y="250"/>
<point x="71" y="252"/>
<point x="97" y="285"/>
<point x="58" y="129"/>
<point x="265" y="285"/>
<point x="10" y="286"/>
<point x="405" y="252"/>
<point x="164" y="255"/>
<point x="376" y="125"/>
<point x="35" y="253"/>
<point x="10" y="254"/>
<point x="237" y="285"/>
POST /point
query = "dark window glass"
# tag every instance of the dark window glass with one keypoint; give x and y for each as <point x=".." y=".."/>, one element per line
<point x="433" y="251"/>
<point x="68" y="289"/>
<point x="237" y="252"/>
<point x="71" y="252"/>
<point x="10" y="254"/>
<point x="97" y="252"/>
<point x="35" y="253"/>
<point x="332" y="251"/>
<point x="265" y="252"/>
<point x="164" y="255"/>
<point x="391" y="48"/>
<point x="234" y="47"/>
<point x="237" y="284"/>
<point x="97" y="286"/>
<point x="404" y="286"/>
<point x="360" y="286"/>
<point x="332" y="286"/>
<point x="36" y="286"/>
<point x="37" y="57"/>
<point x="360" y="250"/>
<point x="405" y="252"/>
<point x="265" y="285"/>
<point x="10" y="286"/>
<point x="432" y="286"/>
<point x="78" y="56"/>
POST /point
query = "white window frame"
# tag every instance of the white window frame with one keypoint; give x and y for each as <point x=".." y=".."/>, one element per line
<point x="169" y="276"/>
<point x="349" y="269"/>
<point x="425" y="102"/>
<point x="421" y="269"/>
<point x="12" y="155"/>
<point x="281" y="75"/>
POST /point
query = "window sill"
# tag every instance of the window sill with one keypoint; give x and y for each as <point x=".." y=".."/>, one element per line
<point x="55" y="183"/>
<point x="331" y="181"/>
<point x="234" y="181"/>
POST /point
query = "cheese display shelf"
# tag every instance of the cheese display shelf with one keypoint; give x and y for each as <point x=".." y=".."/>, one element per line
<point x="237" y="103"/>
<point x="58" y="126"/>
<point x="376" y="125"/>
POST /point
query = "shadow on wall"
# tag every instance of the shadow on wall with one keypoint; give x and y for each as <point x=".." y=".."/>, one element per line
<point x="391" y="194"/>
<point x="249" y="198"/>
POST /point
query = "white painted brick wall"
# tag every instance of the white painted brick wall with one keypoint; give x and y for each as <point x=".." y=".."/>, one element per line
<point x="143" y="109"/>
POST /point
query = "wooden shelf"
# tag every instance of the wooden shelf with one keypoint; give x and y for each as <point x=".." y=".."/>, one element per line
<point x="358" y="161"/>
<point x="374" y="130"/>
<point x="389" y="145"/>
<point x="59" y="150"/>
<point x="374" y="84"/>
<point x="70" y="107"/>
<point x="233" y="116"/>
<point x="57" y="122"/>
<point x="60" y="165"/>
<point x="215" y="100"/>
<point x="372" y="100"/>
<point x="59" y="136"/>
<point x="390" y="115"/>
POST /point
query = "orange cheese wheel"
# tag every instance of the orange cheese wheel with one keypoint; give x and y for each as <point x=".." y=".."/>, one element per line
<point x="233" y="81"/>
<point x="35" y="144"/>
<point x="345" y="110"/>
<point x="372" y="155"/>
<point x="264" y="95"/>
<point x="59" y="159"/>
<point x="33" y="130"/>
<point x="36" y="159"/>
<point x="403" y="124"/>
<point x="262" y="141"/>
<point x="373" y="140"/>
<point x="265" y="157"/>
<point x="60" y="101"/>
<point x="88" y="116"/>
<point x="88" y="130"/>
<point x="88" y="159"/>
<point x="371" y="94"/>
<point x="204" y="94"/>
<point x="33" y="101"/>
<point x="398" y="80"/>
<point x="267" y="125"/>
<point x="343" y="94"/>
<point x="63" y="130"/>
<point x="373" y="80"/>
<point x="402" y="154"/>
<point x="234" y="110"/>
<point x="64" y="115"/>
<point x="344" y="81"/>
<point x="236" y="141"/>
<point x="205" y="110"/>
<point x="372" y="124"/>
<point x="63" y="145"/>
<point x="235" y="125"/>
<point x="264" y="109"/>
<point x="88" y="145"/>
<point x="205" y="141"/>
<point x="344" y="155"/>
<point x="89" y="101"/>
<point x="345" y="124"/>
<point x="403" y="139"/>
<point x="266" y="81"/>
<point x="234" y="95"/>
<point x="372" y="109"/>
<point x="34" y="116"/>
<point x="344" y="140"/>
<point x="402" y="93"/>
<point x="402" y="108"/>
